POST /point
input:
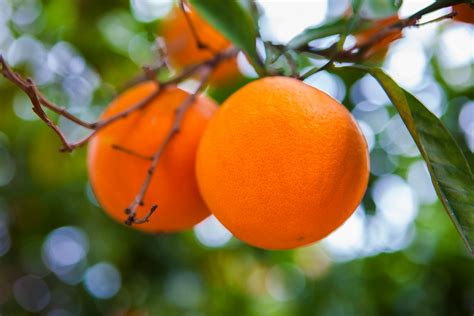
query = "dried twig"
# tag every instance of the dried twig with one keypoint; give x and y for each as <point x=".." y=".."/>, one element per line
<point x="131" y="219"/>
<point x="360" y="49"/>
<point x="38" y="100"/>
<point x="180" y="111"/>
<point x="29" y="88"/>
<point x="190" y="70"/>
<point x="150" y="72"/>
<point x="199" y="43"/>
<point x="357" y="52"/>
<point x="131" y="152"/>
<point x="32" y="91"/>
<point x="443" y="17"/>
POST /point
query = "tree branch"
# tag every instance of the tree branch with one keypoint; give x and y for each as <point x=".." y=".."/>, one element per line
<point x="29" y="88"/>
<point x="356" y="53"/>
<point x="38" y="100"/>
<point x="179" y="115"/>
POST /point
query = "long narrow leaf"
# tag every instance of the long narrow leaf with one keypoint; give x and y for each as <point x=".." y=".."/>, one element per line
<point x="449" y="169"/>
<point x="317" y="32"/>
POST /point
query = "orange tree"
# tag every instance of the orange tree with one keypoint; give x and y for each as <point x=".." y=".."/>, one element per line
<point x="450" y="172"/>
<point x="271" y="144"/>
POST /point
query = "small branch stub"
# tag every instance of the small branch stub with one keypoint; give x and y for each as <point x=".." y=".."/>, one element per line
<point x="131" y="219"/>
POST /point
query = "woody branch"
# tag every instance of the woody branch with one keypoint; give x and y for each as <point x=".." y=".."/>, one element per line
<point x="356" y="53"/>
<point x="204" y="69"/>
<point x="39" y="101"/>
<point x="179" y="115"/>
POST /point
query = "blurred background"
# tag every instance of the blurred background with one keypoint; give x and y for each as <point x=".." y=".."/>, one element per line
<point x="60" y="255"/>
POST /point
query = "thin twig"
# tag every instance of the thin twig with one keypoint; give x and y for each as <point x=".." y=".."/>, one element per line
<point x="150" y="74"/>
<point x="188" y="71"/>
<point x="162" y="52"/>
<point x="133" y="220"/>
<point x="27" y="84"/>
<point x="105" y="122"/>
<point x="131" y="152"/>
<point x="180" y="111"/>
<point x="434" y="7"/>
<point x="199" y="43"/>
<point x="358" y="51"/>
<point x="38" y="100"/>
<point x="29" y="88"/>
<point x="443" y="17"/>
<point x="151" y="71"/>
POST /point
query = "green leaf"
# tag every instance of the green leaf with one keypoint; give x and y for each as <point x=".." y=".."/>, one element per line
<point x="357" y="5"/>
<point x="353" y="21"/>
<point x="382" y="8"/>
<point x="449" y="169"/>
<point x="230" y="18"/>
<point x="317" y="32"/>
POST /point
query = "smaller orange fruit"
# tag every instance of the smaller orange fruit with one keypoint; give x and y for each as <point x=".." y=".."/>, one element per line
<point x="183" y="49"/>
<point x="117" y="176"/>
<point x="465" y="13"/>
<point x="378" y="51"/>
<point x="282" y="164"/>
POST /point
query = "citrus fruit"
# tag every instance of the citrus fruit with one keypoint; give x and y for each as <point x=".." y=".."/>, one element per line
<point x="378" y="50"/>
<point x="465" y="13"/>
<point x="117" y="176"/>
<point x="183" y="49"/>
<point x="282" y="164"/>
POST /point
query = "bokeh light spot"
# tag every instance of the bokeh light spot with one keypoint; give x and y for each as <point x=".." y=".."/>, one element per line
<point x="184" y="289"/>
<point x="329" y="83"/>
<point x="285" y="282"/>
<point x="149" y="10"/>
<point x="31" y="293"/>
<point x="278" y="23"/>
<point x="211" y="233"/>
<point x="64" y="249"/>
<point x="102" y="280"/>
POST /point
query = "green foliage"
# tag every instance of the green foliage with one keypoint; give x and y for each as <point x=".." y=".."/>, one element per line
<point x="450" y="172"/>
<point x="178" y="274"/>
<point x="233" y="21"/>
<point x="383" y="8"/>
<point x="312" y="33"/>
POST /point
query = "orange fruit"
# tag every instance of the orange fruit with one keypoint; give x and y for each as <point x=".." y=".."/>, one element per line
<point x="183" y="50"/>
<point x="378" y="51"/>
<point x="282" y="164"/>
<point x="465" y="13"/>
<point x="117" y="176"/>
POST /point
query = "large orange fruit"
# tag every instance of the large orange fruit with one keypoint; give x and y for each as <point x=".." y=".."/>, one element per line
<point x="465" y="13"/>
<point x="183" y="50"/>
<point x="282" y="164"/>
<point x="117" y="176"/>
